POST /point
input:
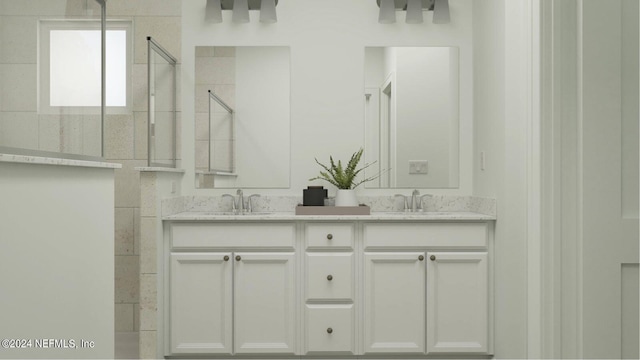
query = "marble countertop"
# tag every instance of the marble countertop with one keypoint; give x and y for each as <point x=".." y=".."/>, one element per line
<point x="39" y="160"/>
<point x="290" y="216"/>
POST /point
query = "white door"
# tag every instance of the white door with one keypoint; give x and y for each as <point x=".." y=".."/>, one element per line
<point x="457" y="303"/>
<point x="394" y="302"/>
<point x="201" y="303"/>
<point x="264" y="298"/>
<point x="609" y="181"/>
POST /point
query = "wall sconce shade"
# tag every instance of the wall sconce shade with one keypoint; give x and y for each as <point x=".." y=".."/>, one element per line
<point x="414" y="12"/>
<point x="268" y="11"/>
<point x="240" y="11"/>
<point x="441" y="13"/>
<point x="213" y="11"/>
<point x="387" y="12"/>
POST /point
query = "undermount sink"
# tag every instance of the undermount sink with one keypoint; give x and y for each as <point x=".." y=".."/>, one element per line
<point x="233" y="213"/>
<point x="410" y="213"/>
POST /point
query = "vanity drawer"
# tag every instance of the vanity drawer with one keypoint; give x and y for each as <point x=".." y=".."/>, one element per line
<point x="330" y="235"/>
<point x="329" y="276"/>
<point x="227" y="235"/>
<point x="470" y="235"/>
<point x="330" y="329"/>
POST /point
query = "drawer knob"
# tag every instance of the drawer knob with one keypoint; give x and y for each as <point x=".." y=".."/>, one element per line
<point x="330" y="277"/>
<point x="238" y="258"/>
<point x="420" y="257"/>
<point x="226" y="258"/>
<point x="433" y="257"/>
<point x="329" y="330"/>
<point x="329" y="236"/>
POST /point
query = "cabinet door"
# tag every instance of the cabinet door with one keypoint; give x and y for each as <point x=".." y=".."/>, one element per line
<point x="201" y="303"/>
<point x="457" y="303"/>
<point x="394" y="302"/>
<point x="265" y="309"/>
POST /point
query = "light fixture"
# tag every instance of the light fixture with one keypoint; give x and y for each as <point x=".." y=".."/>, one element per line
<point x="268" y="11"/>
<point x="441" y="12"/>
<point x="240" y="11"/>
<point x="414" y="12"/>
<point x="387" y="12"/>
<point x="213" y="12"/>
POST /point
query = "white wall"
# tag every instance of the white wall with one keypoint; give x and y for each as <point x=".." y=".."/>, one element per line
<point x="500" y="127"/>
<point x="57" y="258"/>
<point x="327" y="40"/>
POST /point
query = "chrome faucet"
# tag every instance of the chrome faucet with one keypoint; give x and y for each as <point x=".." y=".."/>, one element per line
<point x="416" y="201"/>
<point x="249" y="203"/>
<point x="240" y="206"/>
<point x="233" y="201"/>
<point x="415" y="196"/>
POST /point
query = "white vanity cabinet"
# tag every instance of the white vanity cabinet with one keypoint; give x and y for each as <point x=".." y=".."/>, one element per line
<point x="427" y="288"/>
<point x="394" y="302"/>
<point x="457" y="302"/>
<point x="232" y="289"/>
<point x="328" y="288"/>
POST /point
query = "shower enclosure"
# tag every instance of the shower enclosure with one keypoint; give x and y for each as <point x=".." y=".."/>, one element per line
<point x="162" y="121"/>
<point x="53" y="88"/>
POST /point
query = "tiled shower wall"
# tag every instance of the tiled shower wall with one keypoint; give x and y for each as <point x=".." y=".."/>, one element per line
<point x="125" y="135"/>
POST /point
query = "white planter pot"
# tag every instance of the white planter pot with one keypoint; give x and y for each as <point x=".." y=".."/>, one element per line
<point x="346" y="198"/>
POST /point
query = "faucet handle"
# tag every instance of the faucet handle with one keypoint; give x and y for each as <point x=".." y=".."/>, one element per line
<point x="420" y="207"/>
<point x="406" y="202"/>
<point x="249" y="203"/>
<point x="233" y="201"/>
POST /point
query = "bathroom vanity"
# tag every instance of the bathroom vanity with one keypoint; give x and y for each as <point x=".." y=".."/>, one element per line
<point x="387" y="284"/>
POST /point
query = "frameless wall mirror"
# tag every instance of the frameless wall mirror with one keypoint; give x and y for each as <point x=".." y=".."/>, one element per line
<point x="412" y="116"/>
<point x="242" y="117"/>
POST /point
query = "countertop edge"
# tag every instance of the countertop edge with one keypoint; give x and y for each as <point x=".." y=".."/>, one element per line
<point x="39" y="160"/>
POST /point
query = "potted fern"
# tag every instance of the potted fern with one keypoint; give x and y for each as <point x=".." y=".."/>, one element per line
<point x="344" y="178"/>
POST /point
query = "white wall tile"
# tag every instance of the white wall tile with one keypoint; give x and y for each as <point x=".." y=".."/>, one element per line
<point x="18" y="40"/>
<point x="127" y="191"/>
<point x="215" y="70"/>
<point x="165" y="30"/>
<point x="124" y="232"/>
<point x="19" y="129"/>
<point x="148" y="344"/>
<point x="127" y="288"/>
<point x="148" y="206"/>
<point x="71" y="134"/>
<point x="18" y="87"/>
<point x="49" y="132"/>
<point x="205" y="51"/>
<point x="224" y="51"/>
<point x="43" y="7"/>
<point x="136" y="231"/>
<point x="145" y="7"/>
<point x="141" y="129"/>
<point x="139" y="87"/>
<point x="124" y="317"/>
<point x="202" y="155"/>
<point x="202" y="126"/>
<point x="148" y="302"/>
<point x="148" y="248"/>
<point x="118" y="137"/>
<point x="92" y="135"/>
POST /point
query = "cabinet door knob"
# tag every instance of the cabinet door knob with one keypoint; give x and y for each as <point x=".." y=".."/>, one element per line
<point x="329" y="236"/>
<point x="433" y="257"/>
<point x="330" y="277"/>
<point x="226" y="258"/>
<point x="329" y="330"/>
<point x="420" y="257"/>
<point x="238" y="258"/>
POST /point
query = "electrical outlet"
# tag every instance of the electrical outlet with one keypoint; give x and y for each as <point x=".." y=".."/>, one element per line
<point x="482" y="161"/>
<point x="173" y="187"/>
<point x="418" y="166"/>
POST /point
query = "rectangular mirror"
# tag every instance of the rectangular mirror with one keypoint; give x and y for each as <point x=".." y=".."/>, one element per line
<point x="242" y="124"/>
<point x="412" y="116"/>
